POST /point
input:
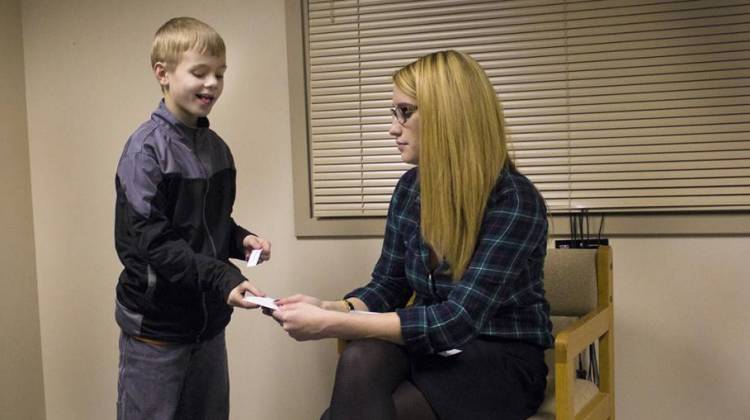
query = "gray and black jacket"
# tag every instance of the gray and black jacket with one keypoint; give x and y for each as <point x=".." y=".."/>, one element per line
<point x="174" y="232"/>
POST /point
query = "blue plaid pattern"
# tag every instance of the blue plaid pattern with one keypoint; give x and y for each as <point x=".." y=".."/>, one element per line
<point x="500" y="295"/>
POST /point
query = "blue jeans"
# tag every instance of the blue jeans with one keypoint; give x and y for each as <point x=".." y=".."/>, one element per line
<point x="173" y="381"/>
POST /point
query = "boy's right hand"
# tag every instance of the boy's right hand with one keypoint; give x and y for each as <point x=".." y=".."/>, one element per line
<point x="236" y="296"/>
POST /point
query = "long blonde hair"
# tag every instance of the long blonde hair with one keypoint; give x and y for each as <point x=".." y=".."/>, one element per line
<point x="462" y="149"/>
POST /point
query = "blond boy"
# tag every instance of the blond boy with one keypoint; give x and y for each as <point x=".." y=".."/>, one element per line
<point x="174" y="235"/>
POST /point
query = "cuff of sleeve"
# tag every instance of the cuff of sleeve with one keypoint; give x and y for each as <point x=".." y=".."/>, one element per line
<point x="374" y="304"/>
<point x="414" y="329"/>
<point x="239" y="235"/>
<point x="232" y="279"/>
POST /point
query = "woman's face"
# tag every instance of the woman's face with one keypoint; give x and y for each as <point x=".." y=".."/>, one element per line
<point x="406" y="132"/>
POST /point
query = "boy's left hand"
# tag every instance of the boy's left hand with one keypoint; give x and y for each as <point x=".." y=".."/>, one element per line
<point x="252" y="242"/>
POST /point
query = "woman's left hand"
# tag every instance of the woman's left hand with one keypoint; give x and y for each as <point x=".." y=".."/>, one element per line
<point x="303" y="321"/>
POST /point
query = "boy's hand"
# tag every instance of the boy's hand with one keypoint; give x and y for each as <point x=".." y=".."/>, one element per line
<point x="252" y="242"/>
<point x="236" y="296"/>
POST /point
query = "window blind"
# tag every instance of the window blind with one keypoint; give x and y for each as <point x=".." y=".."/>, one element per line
<point x="611" y="105"/>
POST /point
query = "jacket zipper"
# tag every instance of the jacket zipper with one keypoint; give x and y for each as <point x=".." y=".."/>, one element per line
<point x="208" y="233"/>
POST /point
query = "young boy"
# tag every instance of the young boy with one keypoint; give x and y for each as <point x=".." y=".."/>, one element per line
<point x="174" y="235"/>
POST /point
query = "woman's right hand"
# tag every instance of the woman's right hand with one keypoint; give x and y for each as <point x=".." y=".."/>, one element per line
<point x="310" y="300"/>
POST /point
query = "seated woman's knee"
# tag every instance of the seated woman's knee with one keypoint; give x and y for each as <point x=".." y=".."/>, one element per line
<point x="368" y="357"/>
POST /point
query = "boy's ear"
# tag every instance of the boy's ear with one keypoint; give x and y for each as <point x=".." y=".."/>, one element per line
<point x="160" y="72"/>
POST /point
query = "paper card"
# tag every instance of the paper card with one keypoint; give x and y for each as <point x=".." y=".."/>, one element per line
<point x="265" y="302"/>
<point x="451" y="352"/>
<point x="252" y="261"/>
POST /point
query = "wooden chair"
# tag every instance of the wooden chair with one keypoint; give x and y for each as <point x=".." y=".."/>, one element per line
<point x="578" y="283"/>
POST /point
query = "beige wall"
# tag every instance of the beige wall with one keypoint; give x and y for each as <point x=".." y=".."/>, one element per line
<point x="679" y="300"/>
<point x="21" y="390"/>
<point x="681" y="328"/>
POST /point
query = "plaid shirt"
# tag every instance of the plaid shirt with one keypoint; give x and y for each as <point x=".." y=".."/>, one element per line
<point x="501" y="294"/>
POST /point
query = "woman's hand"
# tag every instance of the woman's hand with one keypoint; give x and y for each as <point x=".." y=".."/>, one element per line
<point x="304" y="321"/>
<point x="300" y="298"/>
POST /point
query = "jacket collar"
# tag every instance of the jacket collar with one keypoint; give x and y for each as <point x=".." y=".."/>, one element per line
<point x="164" y="113"/>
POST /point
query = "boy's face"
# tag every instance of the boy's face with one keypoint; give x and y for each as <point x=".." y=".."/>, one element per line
<point x="193" y="86"/>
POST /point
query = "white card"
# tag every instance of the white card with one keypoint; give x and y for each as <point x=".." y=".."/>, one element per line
<point x="265" y="302"/>
<point x="252" y="261"/>
<point x="451" y="352"/>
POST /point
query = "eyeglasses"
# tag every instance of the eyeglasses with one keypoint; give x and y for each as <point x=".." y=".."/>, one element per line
<point x="402" y="112"/>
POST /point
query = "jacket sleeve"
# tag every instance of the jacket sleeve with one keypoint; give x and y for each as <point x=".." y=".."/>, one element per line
<point x="156" y="241"/>
<point x="236" y="249"/>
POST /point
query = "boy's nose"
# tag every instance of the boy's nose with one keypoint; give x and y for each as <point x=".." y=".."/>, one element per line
<point x="211" y="81"/>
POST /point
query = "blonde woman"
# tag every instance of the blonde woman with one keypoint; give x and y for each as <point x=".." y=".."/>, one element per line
<point x="466" y="233"/>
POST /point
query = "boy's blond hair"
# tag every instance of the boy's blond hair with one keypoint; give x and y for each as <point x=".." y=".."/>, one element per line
<point x="182" y="34"/>
<point x="462" y="149"/>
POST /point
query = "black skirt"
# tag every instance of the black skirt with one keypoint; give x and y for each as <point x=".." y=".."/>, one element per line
<point x="491" y="379"/>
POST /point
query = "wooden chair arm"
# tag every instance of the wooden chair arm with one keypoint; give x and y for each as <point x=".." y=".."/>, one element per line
<point x="577" y="337"/>
<point x="568" y="344"/>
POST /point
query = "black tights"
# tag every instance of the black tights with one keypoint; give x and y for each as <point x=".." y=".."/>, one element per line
<point x="372" y="382"/>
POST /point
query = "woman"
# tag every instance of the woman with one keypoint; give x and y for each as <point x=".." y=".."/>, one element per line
<point x="466" y="233"/>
